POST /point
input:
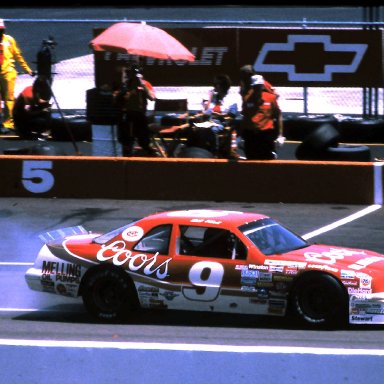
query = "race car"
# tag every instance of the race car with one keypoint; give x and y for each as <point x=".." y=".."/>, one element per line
<point x="215" y="261"/>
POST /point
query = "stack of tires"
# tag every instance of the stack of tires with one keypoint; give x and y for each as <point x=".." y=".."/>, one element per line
<point x="323" y="144"/>
<point x="297" y="128"/>
<point x="359" y="130"/>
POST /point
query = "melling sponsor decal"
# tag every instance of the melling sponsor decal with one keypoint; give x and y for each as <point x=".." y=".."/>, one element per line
<point x="64" y="272"/>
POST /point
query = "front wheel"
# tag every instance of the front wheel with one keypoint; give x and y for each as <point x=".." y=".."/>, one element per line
<point x="108" y="294"/>
<point x="319" y="300"/>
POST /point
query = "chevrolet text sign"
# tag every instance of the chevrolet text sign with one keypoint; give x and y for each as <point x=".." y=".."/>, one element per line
<point x="286" y="57"/>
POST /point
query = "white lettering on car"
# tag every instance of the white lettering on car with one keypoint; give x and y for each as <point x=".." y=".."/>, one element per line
<point x="331" y="256"/>
<point x="119" y="255"/>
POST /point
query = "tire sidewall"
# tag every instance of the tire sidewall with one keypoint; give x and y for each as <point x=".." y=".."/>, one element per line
<point x="324" y="287"/>
<point x="122" y="285"/>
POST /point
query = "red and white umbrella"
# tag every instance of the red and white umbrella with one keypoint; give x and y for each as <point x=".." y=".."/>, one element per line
<point x="141" y="39"/>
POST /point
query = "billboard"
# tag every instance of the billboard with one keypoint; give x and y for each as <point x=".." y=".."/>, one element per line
<point x="286" y="57"/>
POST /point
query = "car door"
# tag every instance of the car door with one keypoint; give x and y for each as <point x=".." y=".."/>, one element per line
<point x="208" y="261"/>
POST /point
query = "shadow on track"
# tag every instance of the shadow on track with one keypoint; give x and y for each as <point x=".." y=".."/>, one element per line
<point x="75" y="313"/>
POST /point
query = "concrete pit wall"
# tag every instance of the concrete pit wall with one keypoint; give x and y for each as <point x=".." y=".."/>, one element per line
<point x="191" y="179"/>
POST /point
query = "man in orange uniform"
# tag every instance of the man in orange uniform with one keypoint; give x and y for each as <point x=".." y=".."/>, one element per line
<point x="246" y="73"/>
<point x="262" y="121"/>
<point x="9" y="54"/>
<point x="132" y="102"/>
<point x="32" y="110"/>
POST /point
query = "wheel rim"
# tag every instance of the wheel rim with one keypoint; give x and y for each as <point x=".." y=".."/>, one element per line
<point x="106" y="295"/>
<point x="315" y="302"/>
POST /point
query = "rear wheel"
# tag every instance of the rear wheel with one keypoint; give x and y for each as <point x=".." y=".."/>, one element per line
<point x="108" y="294"/>
<point x="319" y="300"/>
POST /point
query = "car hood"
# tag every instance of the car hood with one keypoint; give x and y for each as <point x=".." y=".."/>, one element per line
<point x="320" y="256"/>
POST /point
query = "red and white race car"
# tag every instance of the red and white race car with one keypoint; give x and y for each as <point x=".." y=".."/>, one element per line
<point x="211" y="260"/>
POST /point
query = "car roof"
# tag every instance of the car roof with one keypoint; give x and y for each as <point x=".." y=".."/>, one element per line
<point x="220" y="217"/>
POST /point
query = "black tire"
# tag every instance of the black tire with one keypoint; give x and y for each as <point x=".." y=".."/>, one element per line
<point x="357" y="130"/>
<point x="300" y="127"/>
<point x="318" y="299"/>
<point x="46" y="149"/>
<point x="42" y="149"/>
<point x="345" y="152"/>
<point x="195" y="152"/>
<point x="108" y="294"/>
<point x="314" y="146"/>
<point x="17" y="151"/>
<point x="65" y="129"/>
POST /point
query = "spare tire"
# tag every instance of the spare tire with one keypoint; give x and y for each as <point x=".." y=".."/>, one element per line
<point x="345" y="152"/>
<point x="195" y="152"/>
<point x="42" y="149"/>
<point x="357" y="130"/>
<point x="300" y="127"/>
<point x="312" y="148"/>
<point x="78" y="128"/>
<point x="46" y="149"/>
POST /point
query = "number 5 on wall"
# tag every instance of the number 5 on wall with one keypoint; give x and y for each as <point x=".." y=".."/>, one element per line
<point x="36" y="176"/>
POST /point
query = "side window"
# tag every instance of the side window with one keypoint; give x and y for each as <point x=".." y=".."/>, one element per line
<point x="156" y="240"/>
<point x="210" y="242"/>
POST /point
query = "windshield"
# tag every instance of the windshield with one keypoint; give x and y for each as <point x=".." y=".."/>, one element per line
<point x="110" y="235"/>
<point x="271" y="237"/>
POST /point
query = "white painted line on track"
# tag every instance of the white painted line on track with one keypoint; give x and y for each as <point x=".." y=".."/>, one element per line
<point x="23" y="310"/>
<point x="378" y="183"/>
<point x="15" y="263"/>
<point x="339" y="223"/>
<point x="190" y="347"/>
<point x="5" y="309"/>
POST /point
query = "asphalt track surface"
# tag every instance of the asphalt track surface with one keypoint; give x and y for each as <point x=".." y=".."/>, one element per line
<point x="25" y="314"/>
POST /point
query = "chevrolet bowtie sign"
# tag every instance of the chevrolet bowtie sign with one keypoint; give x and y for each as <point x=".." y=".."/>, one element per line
<point x="317" y="57"/>
<point x="322" y="43"/>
